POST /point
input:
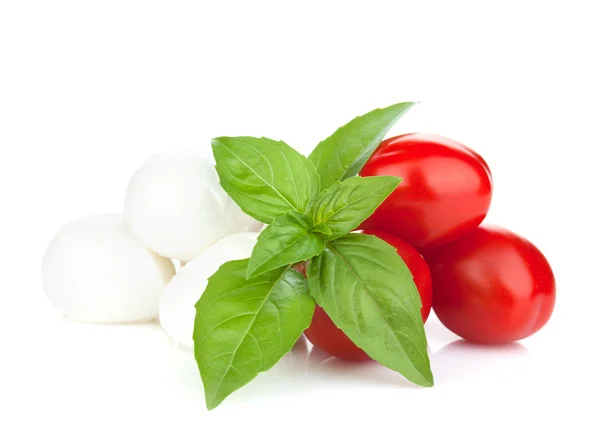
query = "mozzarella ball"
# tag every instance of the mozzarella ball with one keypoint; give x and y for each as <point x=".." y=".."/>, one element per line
<point x="95" y="270"/>
<point x="178" y="304"/>
<point x="176" y="206"/>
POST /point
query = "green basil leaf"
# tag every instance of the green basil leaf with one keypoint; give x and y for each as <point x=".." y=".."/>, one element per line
<point x="244" y="327"/>
<point x="322" y="228"/>
<point x="309" y="223"/>
<point x="285" y="241"/>
<point x="306" y="221"/>
<point x="368" y="292"/>
<point x="345" y="205"/>
<point x="345" y="152"/>
<point x="266" y="178"/>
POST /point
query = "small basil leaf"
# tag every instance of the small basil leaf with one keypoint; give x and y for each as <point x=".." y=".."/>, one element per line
<point x="368" y="292"/>
<point x="266" y="178"/>
<point x="345" y="205"/>
<point x="244" y="327"/>
<point x="345" y="152"/>
<point x="286" y="241"/>
<point x="306" y="221"/>
<point x="322" y="228"/>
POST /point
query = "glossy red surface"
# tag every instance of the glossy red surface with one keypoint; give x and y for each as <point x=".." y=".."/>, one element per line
<point x="492" y="286"/>
<point x="324" y="334"/>
<point x="446" y="189"/>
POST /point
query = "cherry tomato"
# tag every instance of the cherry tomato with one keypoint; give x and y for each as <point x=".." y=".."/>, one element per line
<point x="446" y="189"/>
<point x="324" y="334"/>
<point x="300" y="267"/>
<point x="492" y="286"/>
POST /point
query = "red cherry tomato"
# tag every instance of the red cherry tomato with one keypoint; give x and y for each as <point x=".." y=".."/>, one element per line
<point x="446" y="189"/>
<point x="324" y="334"/>
<point x="300" y="267"/>
<point x="492" y="286"/>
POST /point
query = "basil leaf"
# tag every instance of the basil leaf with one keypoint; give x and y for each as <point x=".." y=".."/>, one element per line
<point x="285" y="241"/>
<point x="368" y="292"/>
<point x="306" y="221"/>
<point x="266" y="178"/>
<point x="244" y="327"/>
<point x="345" y="152"/>
<point x="322" y="228"/>
<point x="345" y="205"/>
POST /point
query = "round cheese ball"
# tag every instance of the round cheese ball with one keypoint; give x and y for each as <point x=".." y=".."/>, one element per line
<point x="95" y="270"/>
<point x="177" y="305"/>
<point x="176" y="206"/>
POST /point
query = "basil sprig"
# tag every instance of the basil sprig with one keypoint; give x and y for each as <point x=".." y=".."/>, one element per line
<point x="254" y="310"/>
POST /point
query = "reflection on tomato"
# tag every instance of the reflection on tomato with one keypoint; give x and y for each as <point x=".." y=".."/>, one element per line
<point x="446" y="189"/>
<point x="492" y="286"/>
<point x="324" y="334"/>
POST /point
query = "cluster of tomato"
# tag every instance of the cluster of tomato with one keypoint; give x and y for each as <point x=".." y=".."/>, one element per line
<point x="485" y="283"/>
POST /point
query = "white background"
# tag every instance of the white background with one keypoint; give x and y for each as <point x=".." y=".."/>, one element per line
<point x="88" y="89"/>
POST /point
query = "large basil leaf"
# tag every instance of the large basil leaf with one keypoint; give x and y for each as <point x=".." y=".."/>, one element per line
<point x="368" y="292"/>
<point x="266" y="178"/>
<point x="345" y="205"/>
<point x="345" y="152"/>
<point x="286" y="241"/>
<point x="244" y="327"/>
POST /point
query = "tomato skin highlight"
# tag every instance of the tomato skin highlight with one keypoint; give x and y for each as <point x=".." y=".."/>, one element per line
<point x="328" y="338"/>
<point x="492" y="286"/>
<point x="446" y="189"/>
